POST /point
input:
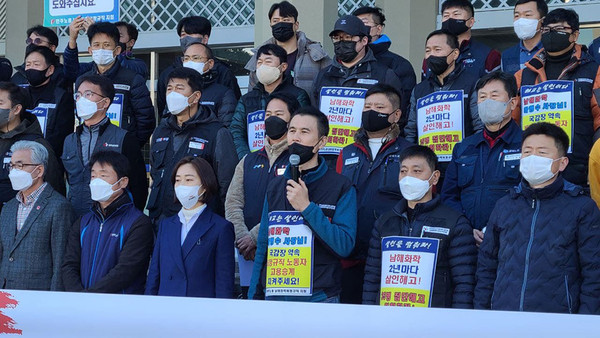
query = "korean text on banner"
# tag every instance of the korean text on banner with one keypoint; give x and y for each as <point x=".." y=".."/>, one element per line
<point x="550" y="101"/>
<point x="440" y="122"/>
<point x="407" y="270"/>
<point x="343" y="107"/>
<point x="62" y="12"/>
<point x="256" y="130"/>
<point x="289" y="255"/>
<point x="115" y="110"/>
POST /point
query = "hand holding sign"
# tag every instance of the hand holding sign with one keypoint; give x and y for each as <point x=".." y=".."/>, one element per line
<point x="297" y="195"/>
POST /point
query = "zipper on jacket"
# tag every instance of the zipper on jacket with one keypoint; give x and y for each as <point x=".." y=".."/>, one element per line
<point x="531" y="235"/>
<point x="568" y="293"/>
<point x="95" y="253"/>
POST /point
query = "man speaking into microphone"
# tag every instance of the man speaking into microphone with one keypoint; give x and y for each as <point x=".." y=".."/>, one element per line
<point x="306" y="226"/>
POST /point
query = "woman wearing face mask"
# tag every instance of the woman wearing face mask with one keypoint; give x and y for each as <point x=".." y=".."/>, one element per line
<point x="53" y="105"/>
<point x="193" y="255"/>
<point x="108" y="249"/>
<point x="422" y="214"/>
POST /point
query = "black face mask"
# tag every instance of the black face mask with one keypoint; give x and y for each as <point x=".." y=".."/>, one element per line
<point x="555" y="41"/>
<point x="282" y="31"/>
<point x="438" y="64"/>
<point x="375" y="121"/>
<point x="455" y="26"/>
<point x="305" y="152"/>
<point x="345" y="50"/>
<point x="185" y="42"/>
<point x="275" y="127"/>
<point x="36" y="77"/>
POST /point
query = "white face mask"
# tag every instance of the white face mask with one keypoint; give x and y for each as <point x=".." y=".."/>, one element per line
<point x="525" y="28"/>
<point x="188" y="195"/>
<point x="176" y="103"/>
<point x="103" y="57"/>
<point x="102" y="190"/>
<point x="20" y="179"/>
<point x="267" y="74"/>
<point x="537" y="169"/>
<point x="492" y="112"/>
<point x="86" y="108"/>
<point x="197" y="66"/>
<point x="413" y="189"/>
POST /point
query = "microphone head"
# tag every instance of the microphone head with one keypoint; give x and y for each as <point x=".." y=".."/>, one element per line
<point x="294" y="159"/>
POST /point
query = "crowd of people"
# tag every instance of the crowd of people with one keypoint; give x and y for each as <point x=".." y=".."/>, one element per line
<point x="509" y="201"/>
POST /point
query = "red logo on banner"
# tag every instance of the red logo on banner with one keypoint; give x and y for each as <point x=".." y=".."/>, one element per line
<point x="7" y="323"/>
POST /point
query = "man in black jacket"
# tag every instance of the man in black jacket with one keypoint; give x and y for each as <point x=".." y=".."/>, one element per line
<point x="195" y="29"/>
<point x="93" y="98"/>
<point x="190" y="130"/>
<point x="17" y="124"/>
<point x="420" y="214"/>
<point x="380" y="43"/>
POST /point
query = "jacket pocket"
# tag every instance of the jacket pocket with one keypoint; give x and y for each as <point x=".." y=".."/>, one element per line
<point x="157" y="154"/>
<point x="389" y="179"/>
<point x="73" y="167"/>
<point x="511" y="170"/>
<point x="465" y="170"/>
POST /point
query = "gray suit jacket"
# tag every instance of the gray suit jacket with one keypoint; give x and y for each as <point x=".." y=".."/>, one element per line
<point x="31" y="258"/>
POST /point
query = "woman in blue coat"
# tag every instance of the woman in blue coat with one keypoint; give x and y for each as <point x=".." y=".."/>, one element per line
<point x="194" y="251"/>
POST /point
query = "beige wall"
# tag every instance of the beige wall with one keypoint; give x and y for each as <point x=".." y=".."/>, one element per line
<point x="21" y="14"/>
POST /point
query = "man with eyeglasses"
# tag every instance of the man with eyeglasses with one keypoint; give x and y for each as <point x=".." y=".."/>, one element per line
<point x="93" y="98"/>
<point x="34" y="225"/>
<point x="380" y="43"/>
<point x="563" y="59"/>
<point x="131" y="108"/>
<point x="219" y="98"/>
<point x="17" y="124"/>
<point x="354" y="64"/>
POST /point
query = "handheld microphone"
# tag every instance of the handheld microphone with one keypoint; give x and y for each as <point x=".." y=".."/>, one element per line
<point x="295" y="171"/>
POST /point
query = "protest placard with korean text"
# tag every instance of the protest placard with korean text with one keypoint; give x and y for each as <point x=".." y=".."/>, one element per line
<point x="407" y="271"/>
<point x="343" y="107"/>
<point x="256" y="130"/>
<point x="550" y="101"/>
<point x="289" y="255"/>
<point x="62" y="12"/>
<point x="440" y="123"/>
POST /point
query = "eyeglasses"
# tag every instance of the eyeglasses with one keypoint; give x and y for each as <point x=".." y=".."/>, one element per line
<point x="20" y="166"/>
<point x="194" y="58"/>
<point x="86" y="94"/>
<point x="558" y="29"/>
<point x="36" y="41"/>
<point x="335" y="39"/>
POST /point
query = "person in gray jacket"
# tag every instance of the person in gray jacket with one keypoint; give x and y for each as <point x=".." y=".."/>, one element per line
<point x="34" y="225"/>
<point x="305" y="57"/>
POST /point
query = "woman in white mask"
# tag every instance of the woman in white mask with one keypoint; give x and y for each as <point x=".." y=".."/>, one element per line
<point x="422" y="214"/>
<point x="194" y="251"/>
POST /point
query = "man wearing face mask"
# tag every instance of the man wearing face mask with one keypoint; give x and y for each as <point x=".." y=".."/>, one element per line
<point x="527" y="23"/>
<point x="96" y="133"/>
<point x="17" y="124"/>
<point x="109" y="247"/>
<point x="422" y="214"/>
<point x="52" y="104"/>
<point x="354" y="64"/>
<point x="33" y="225"/>
<point x="271" y="66"/>
<point x="442" y="53"/>
<point x="132" y="108"/>
<point x="563" y="59"/>
<point x="380" y="43"/>
<point x="485" y="165"/>
<point x="326" y="201"/>
<point x="305" y="58"/>
<point x="190" y="130"/>
<point x="458" y="18"/>
<point x="541" y="250"/>
<point x="372" y="165"/>
<point x="196" y="29"/>
<point x="246" y="193"/>
<point x="220" y="99"/>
